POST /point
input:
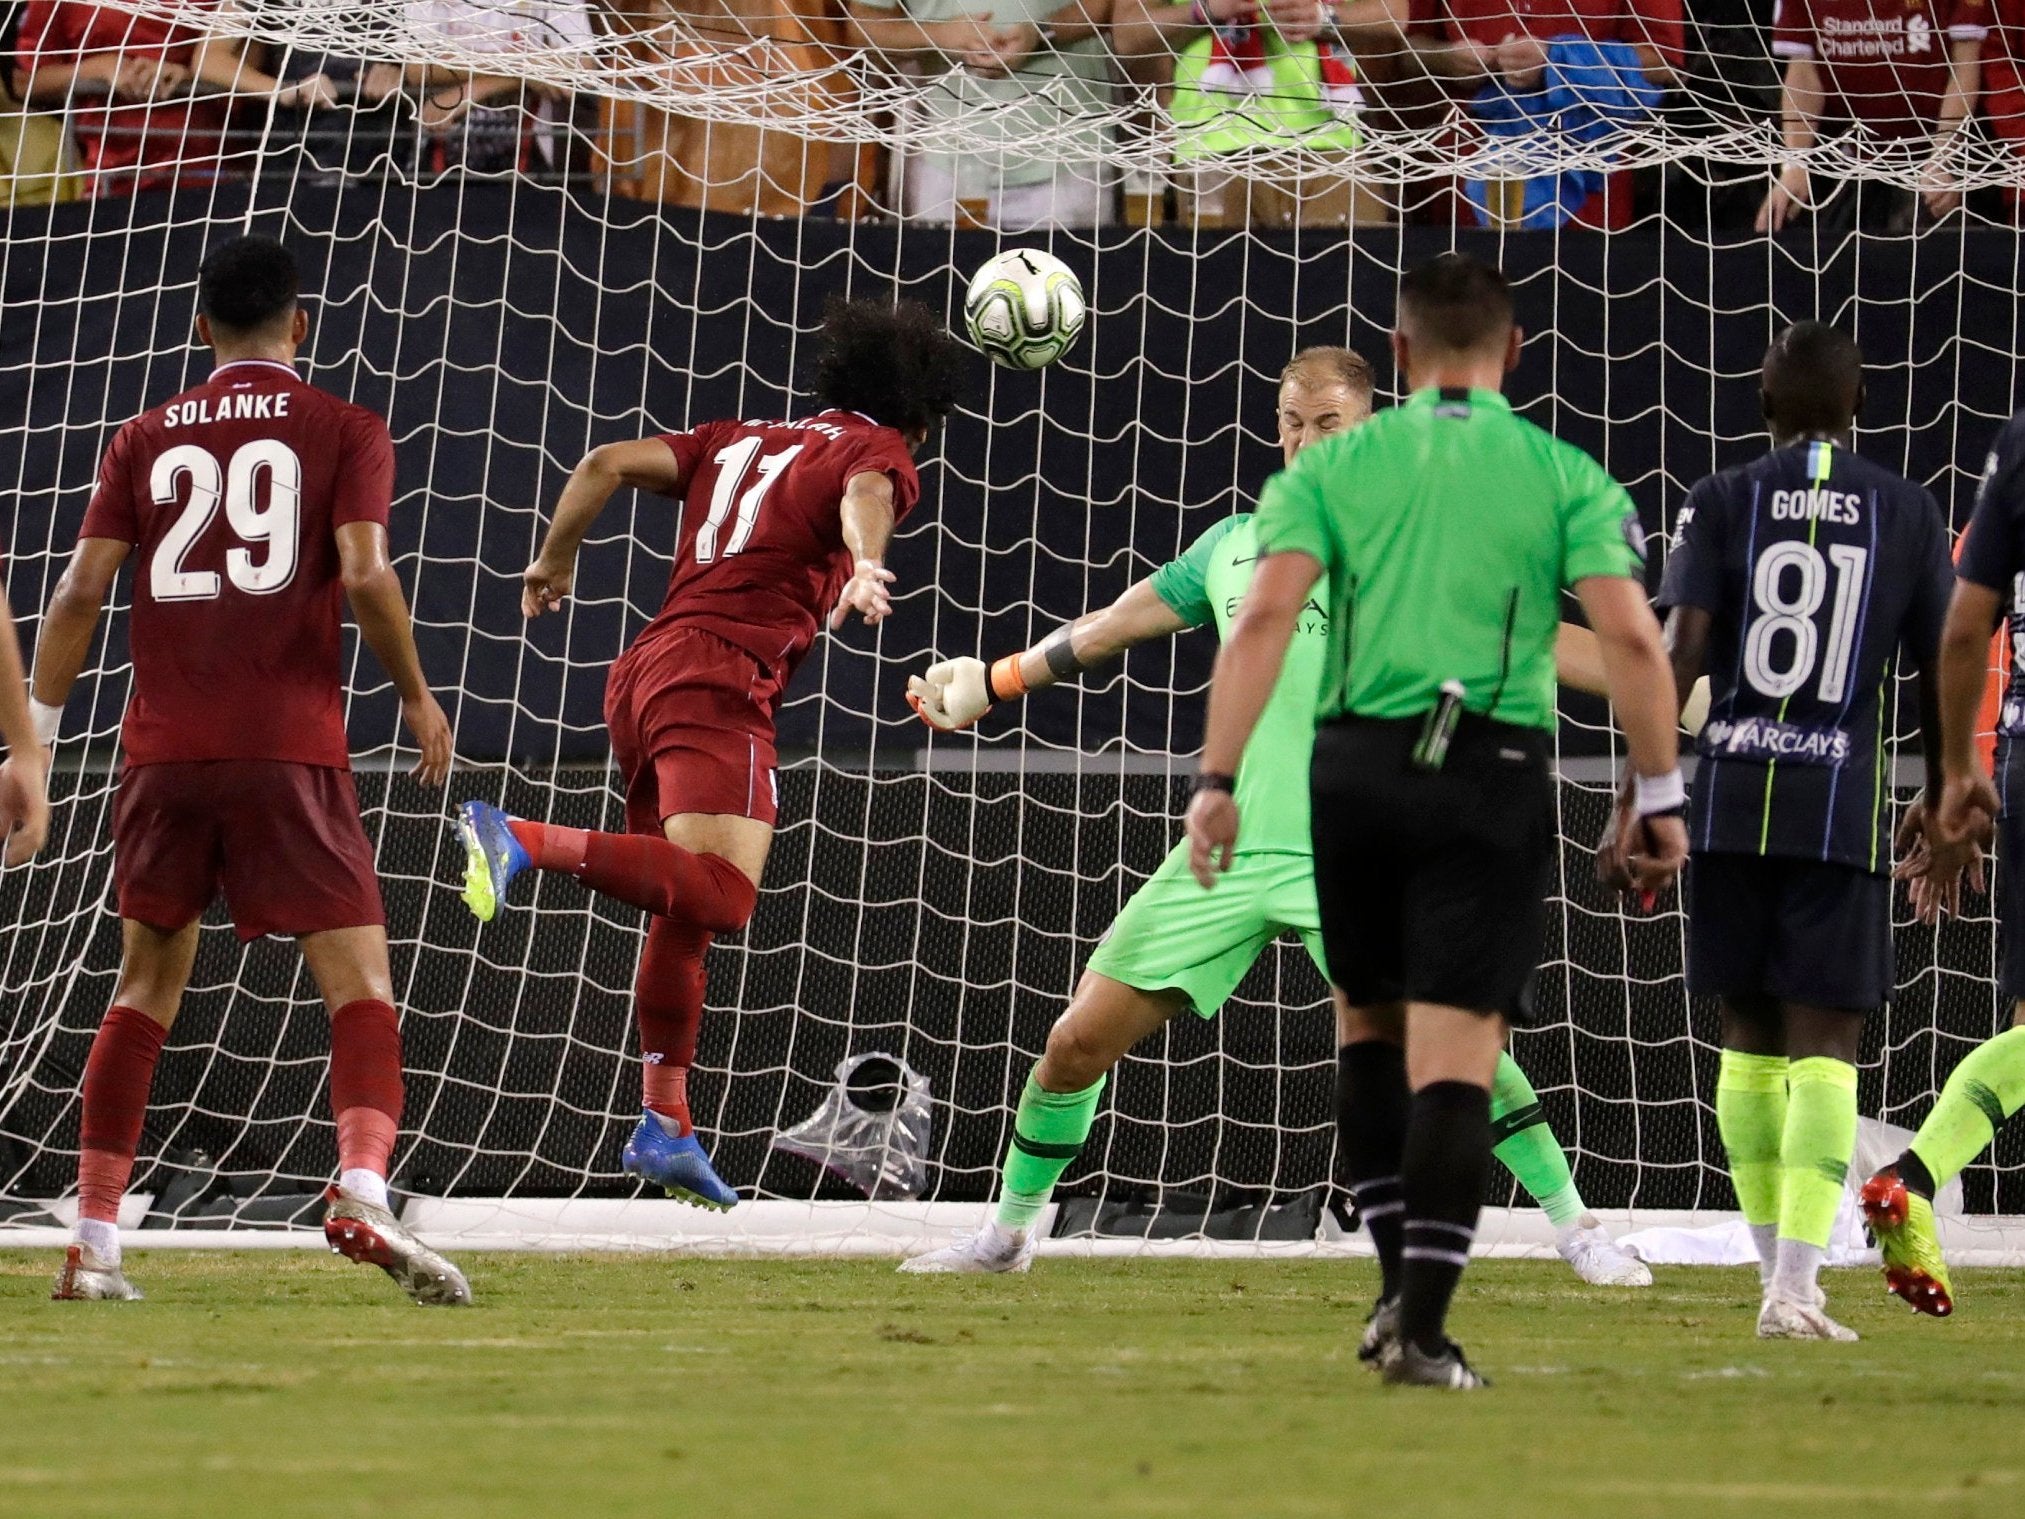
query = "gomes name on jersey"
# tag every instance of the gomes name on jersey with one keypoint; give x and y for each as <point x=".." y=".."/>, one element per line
<point x="1843" y="507"/>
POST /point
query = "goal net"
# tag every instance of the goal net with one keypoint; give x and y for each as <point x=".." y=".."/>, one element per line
<point x="528" y="229"/>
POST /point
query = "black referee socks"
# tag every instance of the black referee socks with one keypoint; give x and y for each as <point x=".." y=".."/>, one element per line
<point x="1371" y="1108"/>
<point x="1443" y="1172"/>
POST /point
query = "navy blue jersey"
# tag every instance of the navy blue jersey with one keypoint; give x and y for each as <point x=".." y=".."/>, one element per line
<point x="1993" y="556"/>
<point x="1816" y="566"/>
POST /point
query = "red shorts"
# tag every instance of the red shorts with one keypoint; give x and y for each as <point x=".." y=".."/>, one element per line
<point x="281" y="840"/>
<point x="691" y="719"/>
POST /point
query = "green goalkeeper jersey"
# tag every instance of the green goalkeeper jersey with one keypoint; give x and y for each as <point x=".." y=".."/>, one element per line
<point x="1207" y="584"/>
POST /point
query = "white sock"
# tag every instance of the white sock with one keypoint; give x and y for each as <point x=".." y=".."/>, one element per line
<point x="1766" y="1238"/>
<point x="366" y="1186"/>
<point x="101" y="1237"/>
<point x="1799" y="1264"/>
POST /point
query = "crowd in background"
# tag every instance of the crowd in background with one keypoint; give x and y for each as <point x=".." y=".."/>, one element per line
<point x="96" y="101"/>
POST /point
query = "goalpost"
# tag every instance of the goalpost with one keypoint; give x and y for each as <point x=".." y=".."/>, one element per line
<point x="928" y="900"/>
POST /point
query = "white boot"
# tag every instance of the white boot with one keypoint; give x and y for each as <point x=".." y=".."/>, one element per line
<point x="992" y="1249"/>
<point x="1598" y="1259"/>
<point x="1785" y="1318"/>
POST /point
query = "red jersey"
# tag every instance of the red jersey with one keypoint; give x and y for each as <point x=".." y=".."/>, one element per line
<point x="231" y="495"/>
<point x="2003" y="77"/>
<point x="1638" y="22"/>
<point x="1883" y="62"/>
<point x="127" y="147"/>
<point x="760" y="558"/>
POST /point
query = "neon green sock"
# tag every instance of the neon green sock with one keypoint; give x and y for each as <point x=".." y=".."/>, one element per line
<point x="1048" y="1133"/>
<point x="1751" y="1117"/>
<point x="1528" y="1147"/>
<point x="1814" y="1157"/>
<point x="1983" y="1091"/>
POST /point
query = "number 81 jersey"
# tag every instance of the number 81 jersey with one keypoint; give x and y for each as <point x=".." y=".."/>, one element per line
<point x="231" y="496"/>
<point x="760" y="557"/>
<point x="1816" y="566"/>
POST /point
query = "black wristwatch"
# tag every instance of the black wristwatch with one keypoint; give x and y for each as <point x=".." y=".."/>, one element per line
<point x="1214" y="780"/>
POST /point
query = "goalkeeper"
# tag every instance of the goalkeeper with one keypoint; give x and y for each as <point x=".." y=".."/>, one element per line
<point x="1176" y="946"/>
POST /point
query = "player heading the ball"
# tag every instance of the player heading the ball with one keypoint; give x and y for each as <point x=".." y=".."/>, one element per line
<point x="782" y="522"/>
<point x="238" y="774"/>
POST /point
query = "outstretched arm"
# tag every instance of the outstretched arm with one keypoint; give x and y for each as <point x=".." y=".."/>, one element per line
<point x="381" y="612"/>
<point x="648" y="464"/>
<point x="957" y="692"/>
<point x="1247" y="669"/>
<point x="867" y="521"/>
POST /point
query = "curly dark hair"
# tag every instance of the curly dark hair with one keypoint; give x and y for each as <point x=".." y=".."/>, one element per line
<point x="893" y="361"/>
<point x="247" y="283"/>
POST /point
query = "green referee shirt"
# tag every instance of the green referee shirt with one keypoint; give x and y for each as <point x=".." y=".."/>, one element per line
<point x="1207" y="584"/>
<point x="1447" y="528"/>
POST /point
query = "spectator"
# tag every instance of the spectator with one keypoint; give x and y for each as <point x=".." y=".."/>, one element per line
<point x="1580" y="66"/>
<point x="34" y="149"/>
<point x="499" y="121"/>
<point x="1247" y="78"/>
<point x="781" y="56"/>
<point x="1882" y="66"/>
<point x="1012" y="75"/>
<point x="147" y="99"/>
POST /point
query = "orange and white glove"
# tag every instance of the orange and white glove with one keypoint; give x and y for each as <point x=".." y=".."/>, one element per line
<point x="952" y="695"/>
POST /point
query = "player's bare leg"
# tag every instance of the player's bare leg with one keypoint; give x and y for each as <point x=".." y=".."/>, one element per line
<point x="1104" y="1019"/>
<point x="350" y="968"/>
<point x="699" y="879"/>
<point x="154" y="970"/>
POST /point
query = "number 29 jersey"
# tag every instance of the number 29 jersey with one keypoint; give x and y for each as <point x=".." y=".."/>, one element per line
<point x="1817" y="566"/>
<point x="231" y="495"/>
<point x="760" y="557"/>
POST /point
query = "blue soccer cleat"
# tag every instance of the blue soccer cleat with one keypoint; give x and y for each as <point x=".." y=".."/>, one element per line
<point x="677" y="1164"/>
<point x="492" y="857"/>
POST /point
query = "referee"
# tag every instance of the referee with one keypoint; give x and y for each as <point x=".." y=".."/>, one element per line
<point x="1446" y="530"/>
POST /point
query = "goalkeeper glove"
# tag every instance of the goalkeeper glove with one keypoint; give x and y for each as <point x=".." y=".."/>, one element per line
<point x="952" y="695"/>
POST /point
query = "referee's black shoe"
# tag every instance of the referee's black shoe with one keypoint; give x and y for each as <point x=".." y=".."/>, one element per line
<point x="1381" y="1331"/>
<point x="1407" y="1365"/>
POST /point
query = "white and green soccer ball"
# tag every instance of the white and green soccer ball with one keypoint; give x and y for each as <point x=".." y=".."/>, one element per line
<point x="1025" y="308"/>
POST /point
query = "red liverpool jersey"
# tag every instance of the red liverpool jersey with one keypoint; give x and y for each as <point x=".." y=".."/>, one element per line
<point x="760" y="558"/>
<point x="231" y="495"/>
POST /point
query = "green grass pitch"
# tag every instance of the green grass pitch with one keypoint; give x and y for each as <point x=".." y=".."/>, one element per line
<point x="595" y="1388"/>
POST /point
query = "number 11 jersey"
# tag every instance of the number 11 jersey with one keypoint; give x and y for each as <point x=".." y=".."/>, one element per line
<point x="760" y="557"/>
<point x="231" y="496"/>
<point x="1817" y="567"/>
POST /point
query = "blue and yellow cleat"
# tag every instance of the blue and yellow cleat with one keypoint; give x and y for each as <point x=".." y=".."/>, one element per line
<point x="676" y="1163"/>
<point x="492" y="857"/>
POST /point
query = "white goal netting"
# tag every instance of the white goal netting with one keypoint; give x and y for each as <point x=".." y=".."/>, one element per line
<point x="529" y="229"/>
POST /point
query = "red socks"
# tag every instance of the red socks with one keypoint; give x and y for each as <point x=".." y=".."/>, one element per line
<point x="365" y="1083"/>
<point x="668" y="1000"/>
<point x="650" y="873"/>
<point x="117" y="1077"/>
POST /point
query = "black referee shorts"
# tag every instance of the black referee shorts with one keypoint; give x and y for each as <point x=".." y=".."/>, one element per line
<point x="1799" y="930"/>
<point x="1433" y="885"/>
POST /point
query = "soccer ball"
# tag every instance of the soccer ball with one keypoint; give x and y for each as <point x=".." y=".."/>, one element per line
<point x="1025" y="308"/>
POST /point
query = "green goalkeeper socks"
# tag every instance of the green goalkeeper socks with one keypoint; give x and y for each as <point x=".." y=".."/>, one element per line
<point x="1984" y="1090"/>
<point x="1751" y="1117"/>
<point x="1048" y="1133"/>
<point x="1814" y="1157"/>
<point x="1527" y="1146"/>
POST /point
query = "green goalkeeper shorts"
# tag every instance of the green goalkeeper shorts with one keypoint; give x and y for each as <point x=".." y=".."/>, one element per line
<point x="1174" y="936"/>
